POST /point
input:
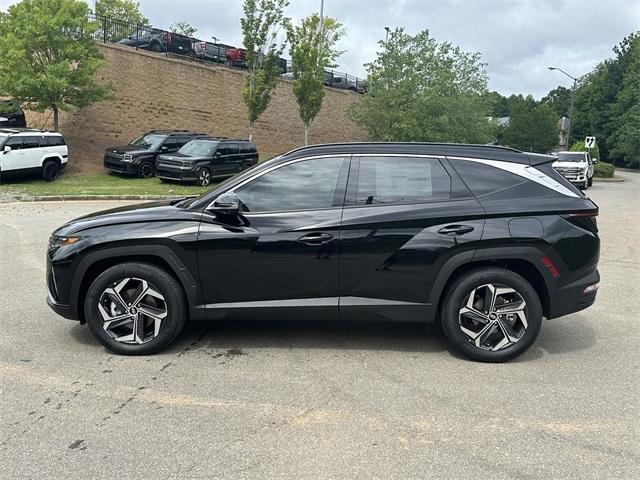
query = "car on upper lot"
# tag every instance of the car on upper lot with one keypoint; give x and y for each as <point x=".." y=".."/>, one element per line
<point x="486" y="240"/>
<point x="138" y="157"/>
<point x="206" y="157"/>
<point x="11" y="115"/>
<point x="29" y="151"/>
<point x="576" y="167"/>
<point x="156" y="40"/>
<point x="210" y="52"/>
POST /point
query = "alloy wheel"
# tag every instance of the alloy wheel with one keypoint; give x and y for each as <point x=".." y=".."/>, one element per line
<point x="132" y="310"/>
<point x="204" y="178"/>
<point x="146" y="170"/>
<point x="493" y="317"/>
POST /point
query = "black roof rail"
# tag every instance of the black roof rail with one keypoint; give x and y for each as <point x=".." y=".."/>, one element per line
<point x="488" y="152"/>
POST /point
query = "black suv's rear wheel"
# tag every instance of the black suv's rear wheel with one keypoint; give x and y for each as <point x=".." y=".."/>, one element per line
<point x="491" y="315"/>
<point x="135" y="308"/>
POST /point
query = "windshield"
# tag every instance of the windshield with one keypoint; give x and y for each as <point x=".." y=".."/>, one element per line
<point x="148" y="142"/>
<point x="199" y="147"/>
<point x="571" y="157"/>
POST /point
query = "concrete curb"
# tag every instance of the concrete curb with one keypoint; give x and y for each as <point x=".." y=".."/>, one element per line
<point x="613" y="179"/>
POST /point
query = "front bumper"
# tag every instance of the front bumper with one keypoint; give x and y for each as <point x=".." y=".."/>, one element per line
<point x="117" y="165"/>
<point x="573" y="297"/>
<point x="176" y="172"/>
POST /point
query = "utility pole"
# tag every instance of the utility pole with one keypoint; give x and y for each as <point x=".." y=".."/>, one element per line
<point x="573" y="94"/>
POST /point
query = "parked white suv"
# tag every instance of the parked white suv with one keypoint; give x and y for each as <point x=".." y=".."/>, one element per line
<point x="577" y="167"/>
<point x="27" y="150"/>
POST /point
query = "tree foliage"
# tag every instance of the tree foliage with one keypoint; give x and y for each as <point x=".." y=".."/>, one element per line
<point x="261" y="26"/>
<point x="607" y="104"/>
<point x="559" y="99"/>
<point x="183" y="28"/>
<point x="534" y="130"/>
<point x="422" y="90"/>
<point x="312" y="52"/>
<point x="125" y="10"/>
<point x="48" y="58"/>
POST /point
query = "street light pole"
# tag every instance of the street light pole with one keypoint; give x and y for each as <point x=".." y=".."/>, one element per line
<point x="386" y="38"/>
<point x="573" y="94"/>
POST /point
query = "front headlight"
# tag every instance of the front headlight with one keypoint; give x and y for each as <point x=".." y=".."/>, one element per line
<point x="127" y="157"/>
<point x="56" y="242"/>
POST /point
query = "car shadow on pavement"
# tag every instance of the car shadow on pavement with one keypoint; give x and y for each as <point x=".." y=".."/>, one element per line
<point x="559" y="336"/>
<point x="326" y="335"/>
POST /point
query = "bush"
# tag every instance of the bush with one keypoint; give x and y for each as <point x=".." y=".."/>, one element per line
<point x="604" y="170"/>
<point x="578" y="146"/>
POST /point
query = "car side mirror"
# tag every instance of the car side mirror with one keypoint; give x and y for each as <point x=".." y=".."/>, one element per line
<point x="226" y="204"/>
<point x="164" y="148"/>
<point x="595" y="160"/>
<point x="6" y="149"/>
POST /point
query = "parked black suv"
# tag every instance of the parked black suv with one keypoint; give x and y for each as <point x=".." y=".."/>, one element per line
<point x="156" y="40"/>
<point x="138" y="157"/>
<point x="11" y="115"/>
<point x="485" y="239"/>
<point x="206" y="157"/>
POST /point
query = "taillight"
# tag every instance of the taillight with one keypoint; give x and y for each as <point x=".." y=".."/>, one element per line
<point x="584" y="220"/>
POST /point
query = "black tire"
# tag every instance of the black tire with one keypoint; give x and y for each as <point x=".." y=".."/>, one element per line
<point x="456" y="298"/>
<point x="159" y="280"/>
<point x="156" y="47"/>
<point x="245" y="166"/>
<point x="203" y="176"/>
<point x="590" y="181"/>
<point x="50" y="170"/>
<point x="146" y="170"/>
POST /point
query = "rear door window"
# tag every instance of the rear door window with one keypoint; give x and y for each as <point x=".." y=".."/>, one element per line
<point x="228" y="148"/>
<point x="30" y="141"/>
<point x="389" y="180"/>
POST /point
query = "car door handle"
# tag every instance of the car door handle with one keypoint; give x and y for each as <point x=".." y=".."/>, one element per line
<point x="455" y="230"/>
<point x="316" y="238"/>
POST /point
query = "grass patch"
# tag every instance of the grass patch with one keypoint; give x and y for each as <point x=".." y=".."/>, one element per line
<point x="96" y="184"/>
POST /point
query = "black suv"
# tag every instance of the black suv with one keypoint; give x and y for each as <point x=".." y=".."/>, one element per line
<point x="148" y="38"/>
<point x="11" y="115"/>
<point x="486" y="240"/>
<point x="207" y="157"/>
<point x="138" y="157"/>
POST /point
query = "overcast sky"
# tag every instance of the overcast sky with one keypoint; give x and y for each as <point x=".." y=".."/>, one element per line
<point x="518" y="39"/>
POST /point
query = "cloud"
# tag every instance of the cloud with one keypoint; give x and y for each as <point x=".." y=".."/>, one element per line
<point x="518" y="39"/>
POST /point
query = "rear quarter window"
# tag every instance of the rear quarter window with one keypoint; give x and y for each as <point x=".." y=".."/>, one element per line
<point x="485" y="179"/>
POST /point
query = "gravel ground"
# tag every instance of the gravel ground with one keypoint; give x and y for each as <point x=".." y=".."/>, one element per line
<point x="318" y="400"/>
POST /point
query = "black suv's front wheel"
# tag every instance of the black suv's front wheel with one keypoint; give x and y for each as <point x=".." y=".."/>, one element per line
<point x="135" y="308"/>
<point x="491" y="315"/>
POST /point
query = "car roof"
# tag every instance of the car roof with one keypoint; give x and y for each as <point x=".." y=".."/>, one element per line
<point x="486" y="152"/>
<point x="224" y="139"/>
<point x="17" y="130"/>
<point x="175" y="132"/>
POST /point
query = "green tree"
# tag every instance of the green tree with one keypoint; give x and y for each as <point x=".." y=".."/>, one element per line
<point x="625" y="137"/>
<point x="125" y="10"/>
<point x="534" y="130"/>
<point x="48" y="58"/>
<point x="498" y="104"/>
<point x="312" y="52"/>
<point x="118" y="19"/>
<point x="183" y="28"/>
<point x="261" y="24"/>
<point x="422" y="90"/>
<point x="559" y="99"/>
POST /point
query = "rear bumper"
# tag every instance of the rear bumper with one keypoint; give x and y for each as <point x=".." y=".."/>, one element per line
<point x="573" y="297"/>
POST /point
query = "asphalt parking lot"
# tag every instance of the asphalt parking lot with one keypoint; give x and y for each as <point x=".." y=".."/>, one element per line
<point x="318" y="400"/>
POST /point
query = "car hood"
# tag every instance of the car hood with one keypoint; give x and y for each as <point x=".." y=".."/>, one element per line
<point x="183" y="157"/>
<point x="569" y="164"/>
<point x="126" y="148"/>
<point x="146" y="212"/>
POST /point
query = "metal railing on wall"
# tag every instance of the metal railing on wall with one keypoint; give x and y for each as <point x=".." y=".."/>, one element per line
<point x="147" y="37"/>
